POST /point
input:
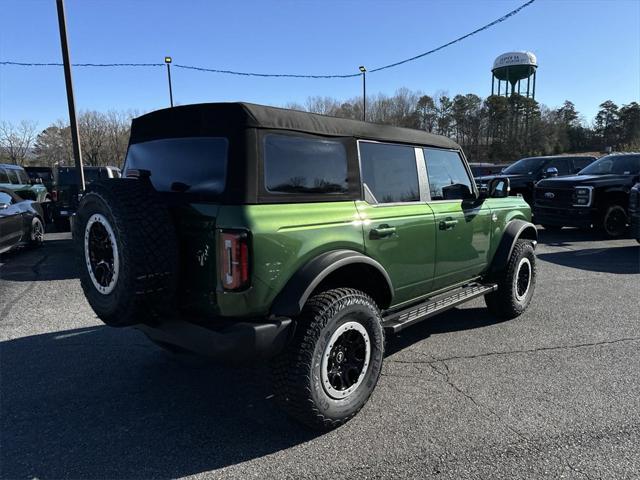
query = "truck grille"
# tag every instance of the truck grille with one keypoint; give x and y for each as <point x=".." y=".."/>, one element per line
<point x="554" y="197"/>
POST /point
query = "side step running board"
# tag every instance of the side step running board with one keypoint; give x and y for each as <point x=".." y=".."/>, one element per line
<point x="396" y="321"/>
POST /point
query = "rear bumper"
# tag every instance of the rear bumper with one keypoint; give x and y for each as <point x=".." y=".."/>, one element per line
<point x="565" y="217"/>
<point x="236" y="343"/>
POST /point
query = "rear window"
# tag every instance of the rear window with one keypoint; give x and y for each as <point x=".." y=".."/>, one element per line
<point x="44" y="175"/>
<point x="295" y="164"/>
<point x="67" y="176"/>
<point x="192" y="164"/>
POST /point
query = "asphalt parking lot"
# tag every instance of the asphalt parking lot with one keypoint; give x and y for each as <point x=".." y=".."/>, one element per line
<point x="552" y="394"/>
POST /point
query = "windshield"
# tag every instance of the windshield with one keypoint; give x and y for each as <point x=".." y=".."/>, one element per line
<point x="67" y="176"/>
<point x="526" y="165"/>
<point x="193" y="164"/>
<point x="614" y="164"/>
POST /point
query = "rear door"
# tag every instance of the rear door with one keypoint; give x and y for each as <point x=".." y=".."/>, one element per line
<point x="463" y="223"/>
<point x="398" y="225"/>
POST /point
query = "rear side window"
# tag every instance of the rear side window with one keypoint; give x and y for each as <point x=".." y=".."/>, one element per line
<point x="23" y="177"/>
<point x="295" y="164"/>
<point x="580" y="163"/>
<point x="13" y="176"/>
<point x="4" y="178"/>
<point x="192" y="165"/>
<point x="562" y="164"/>
<point x="448" y="177"/>
<point x="389" y="172"/>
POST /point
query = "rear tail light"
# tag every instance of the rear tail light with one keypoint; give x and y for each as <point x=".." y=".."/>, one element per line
<point x="54" y="195"/>
<point x="234" y="259"/>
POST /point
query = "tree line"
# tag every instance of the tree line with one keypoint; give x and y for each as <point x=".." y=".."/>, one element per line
<point x="496" y="129"/>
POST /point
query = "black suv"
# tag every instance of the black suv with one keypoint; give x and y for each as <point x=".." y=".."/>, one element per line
<point x="524" y="173"/>
<point x="598" y="195"/>
<point x="634" y="211"/>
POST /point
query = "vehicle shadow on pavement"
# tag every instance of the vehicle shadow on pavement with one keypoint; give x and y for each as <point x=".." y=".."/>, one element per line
<point x="55" y="260"/>
<point x="622" y="260"/>
<point x="567" y="236"/>
<point x="105" y="403"/>
<point x="455" y="320"/>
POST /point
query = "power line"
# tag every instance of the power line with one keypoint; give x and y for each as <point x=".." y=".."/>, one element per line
<point x="284" y="75"/>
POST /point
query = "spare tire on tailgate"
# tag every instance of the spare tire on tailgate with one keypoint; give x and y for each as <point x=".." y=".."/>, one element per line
<point x="126" y="244"/>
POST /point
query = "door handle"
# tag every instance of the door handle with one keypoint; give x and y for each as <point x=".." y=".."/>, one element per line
<point x="448" y="224"/>
<point x="382" y="231"/>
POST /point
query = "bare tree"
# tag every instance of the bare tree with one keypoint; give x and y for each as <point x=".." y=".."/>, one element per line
<point x="16" y="141"/>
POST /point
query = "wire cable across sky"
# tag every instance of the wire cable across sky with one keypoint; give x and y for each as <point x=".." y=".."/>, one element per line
<point x="281" y="75"/>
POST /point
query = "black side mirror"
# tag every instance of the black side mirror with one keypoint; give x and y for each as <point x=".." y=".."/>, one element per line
<point x="457" y="191"/>
<point x="499" y="187"/>
<point x="551" y="172"/>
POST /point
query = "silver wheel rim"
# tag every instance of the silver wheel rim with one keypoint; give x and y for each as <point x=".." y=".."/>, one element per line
<point x="522" y="280"/>
<point x="37" y="233"/>
<point x="93" y="266"/>
<point x="329" y="355"/>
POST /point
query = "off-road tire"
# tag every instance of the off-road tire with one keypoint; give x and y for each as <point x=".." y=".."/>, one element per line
<point x="506" y="302"/>
<point x="146" y="284"/>
<point x="297" y="371"/>
<point x="609" y="230"/>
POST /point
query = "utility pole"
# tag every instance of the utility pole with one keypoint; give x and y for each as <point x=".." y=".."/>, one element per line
<point x="75" y="134"/>
<point x="167" y="61"/>
<point x="363" y="70"/>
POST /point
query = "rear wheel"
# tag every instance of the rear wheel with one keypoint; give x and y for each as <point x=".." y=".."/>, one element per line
<point x="614" y="221"/>
<point x="333" y="363"/>
<point x="515" y="288"/>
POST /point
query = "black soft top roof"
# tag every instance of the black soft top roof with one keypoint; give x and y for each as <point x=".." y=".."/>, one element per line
<point x="207" y="119"/>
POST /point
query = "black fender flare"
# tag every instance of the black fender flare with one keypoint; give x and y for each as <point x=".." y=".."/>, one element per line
<point x="515" y="230"/>
<point x="291" y="299"/>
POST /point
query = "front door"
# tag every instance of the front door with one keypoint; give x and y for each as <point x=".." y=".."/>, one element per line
<point x="463" y="223"/>
<point x="398" y="225"/>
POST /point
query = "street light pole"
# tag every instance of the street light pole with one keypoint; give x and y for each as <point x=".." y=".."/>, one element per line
<point x="363" y="70"/>
<point x="167" y="61"/>
<point x="73" y="122"/>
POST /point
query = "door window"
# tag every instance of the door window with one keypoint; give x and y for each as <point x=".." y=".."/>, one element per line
<point x="4" y="178"/>
<point x="562" y="164"/>
<point x="448" y="177"/>
<point x="389" y="172"/>
<point x="13" y="176"/>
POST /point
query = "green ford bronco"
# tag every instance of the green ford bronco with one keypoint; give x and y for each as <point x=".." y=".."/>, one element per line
<point x="246" y="232"/>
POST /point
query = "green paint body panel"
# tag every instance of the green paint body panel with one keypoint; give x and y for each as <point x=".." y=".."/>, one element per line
<point x="419" y="256"/>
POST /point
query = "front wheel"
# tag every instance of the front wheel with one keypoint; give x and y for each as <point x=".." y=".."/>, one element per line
<point x="614" y="221"/>
<point x="333" y="363"/>
<point x="515" y="288"/>
<point x="36" y="233"/>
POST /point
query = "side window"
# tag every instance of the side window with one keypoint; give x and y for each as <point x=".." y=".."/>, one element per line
<point x="448" y="177"/>
<point x="13" y="176"/>
<point x="23" y="177"/>
<point x="562" y="164"/>
<point x="295" y="164"/>
<point x="580" y="163"/>
<point x="4" y="178"/>
<point x="389" y="172"/>
<point x="5" y="198"/>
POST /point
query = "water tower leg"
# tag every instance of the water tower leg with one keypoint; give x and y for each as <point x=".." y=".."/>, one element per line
<point x="492" y="84"/>
<point x="533" y="95"/>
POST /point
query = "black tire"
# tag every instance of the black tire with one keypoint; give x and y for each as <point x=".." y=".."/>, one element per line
<point x="339" y="316"/>
<point x="36" y="232"/>
<point x="552" y="228"/>
<point x="136" y="281"/>
<point x="614" y="221"/>
<point x="512" y="298"/>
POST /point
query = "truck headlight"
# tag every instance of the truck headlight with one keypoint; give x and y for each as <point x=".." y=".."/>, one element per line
<point x="582" y="196"/>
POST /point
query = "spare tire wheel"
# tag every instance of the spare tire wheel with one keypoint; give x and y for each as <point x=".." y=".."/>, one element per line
<point x="127" y="249"/>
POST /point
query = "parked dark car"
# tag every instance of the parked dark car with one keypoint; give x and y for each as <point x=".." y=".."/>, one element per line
<point x="42" y="175"/>
<point x="485" y="169"/>
<point x="524" y="173"/>
<point x="66" y="187"/>
<point x="634" y="211"/>
<point x="21" y="221"/>
<point x="597" y="196"/>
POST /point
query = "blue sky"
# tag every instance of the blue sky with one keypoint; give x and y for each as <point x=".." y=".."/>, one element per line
<point x="588" y="51"/>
